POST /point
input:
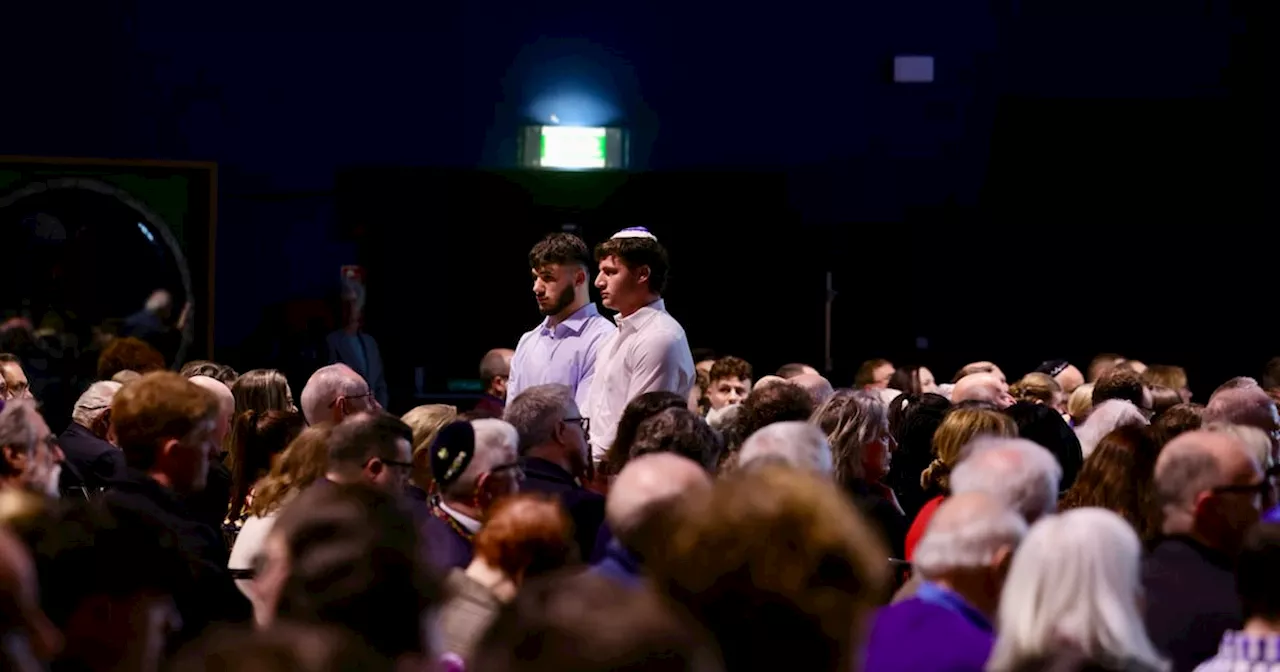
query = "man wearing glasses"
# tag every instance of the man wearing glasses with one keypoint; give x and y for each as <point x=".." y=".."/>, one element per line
<point x="31" y="458"/>
<point x="333" y="392"/>
<point x="555" y="455"/>
<point x="371" y="448"/>
<point x="1209" y="488"/>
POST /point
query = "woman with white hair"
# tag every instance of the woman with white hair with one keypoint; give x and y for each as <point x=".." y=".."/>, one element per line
<point x="1073" y="593"/>
<point x="1105" y="418"/>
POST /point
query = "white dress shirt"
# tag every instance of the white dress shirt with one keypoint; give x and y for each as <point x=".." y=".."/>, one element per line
<point x="565" y="354"/>
<point x="648" y="353"/>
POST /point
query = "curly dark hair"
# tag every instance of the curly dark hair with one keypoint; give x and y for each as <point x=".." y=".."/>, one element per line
<point x="129" y="354"/>
<point x="779" y="402"/>
<point x="679" y="431"/>
<point x="730" y="367"/>
<point x="1118" y="383"/>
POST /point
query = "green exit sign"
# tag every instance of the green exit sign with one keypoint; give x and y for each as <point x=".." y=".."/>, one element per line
<point x="575" y="147"/>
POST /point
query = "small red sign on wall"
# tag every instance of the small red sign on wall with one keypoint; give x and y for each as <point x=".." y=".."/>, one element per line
<point x="353" y="274"/>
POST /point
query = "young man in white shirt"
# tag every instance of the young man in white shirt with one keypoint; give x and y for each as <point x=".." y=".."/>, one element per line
<point x="649" y="352"/>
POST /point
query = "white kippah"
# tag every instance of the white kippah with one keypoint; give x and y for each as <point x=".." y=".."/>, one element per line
<point x="635" y="232"/>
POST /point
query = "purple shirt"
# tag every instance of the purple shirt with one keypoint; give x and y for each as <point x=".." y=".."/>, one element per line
<point x="565" y="354"/>
<point x="936" y="631"/>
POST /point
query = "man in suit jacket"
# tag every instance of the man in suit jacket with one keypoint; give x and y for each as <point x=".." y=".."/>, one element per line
<point x="350" y="345"/>
<point x="554" y="455"/>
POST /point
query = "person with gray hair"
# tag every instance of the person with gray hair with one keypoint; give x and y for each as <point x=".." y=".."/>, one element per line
<point x="796" y="444"/>
<point x="1073" y="594"/>
<point x="475" y="464"/>
<point x="1105" y="418"/>
<point x="856" y="423"/>
<point x="29" y="455"/>
<point x="1209" y="488"/>
<point x="646" y="485"/>
<point x="1020" y="473"/>
<point x="90" y="459"/>
<point x="333" y="392"/>
<point x="555" y="455"/>
<point x="1248" y="406"/>
<point x="962" y="559"/>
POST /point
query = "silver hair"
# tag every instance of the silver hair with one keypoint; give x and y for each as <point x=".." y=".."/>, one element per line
<point x="15" y="424"/>
<point x="971" y="543"/>
<point x="798" y="444"/>
<point x="325" y="386"/>
<point x="536" y="412"/>
<point x="851" y="420"/>
<point x="1241" y="406"/>
<point x="94" y="402"/>
<point x="1105" y="418"/>
<point x="1075" y="578"/>
<point x="720" y="419"/>
<point x="496" y="442"/>
<point x="1021" y="473"/>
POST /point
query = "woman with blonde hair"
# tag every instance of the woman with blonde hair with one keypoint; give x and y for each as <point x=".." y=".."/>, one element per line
<point x="425" y="421"/>
<point x="857" y="427"/>
<point x="1040" y="388"/>
<point x="1080" y="404"/>
<point x="1073" y="593"/>
<point x="959" y="428"/>
<point x="303" y="463"/>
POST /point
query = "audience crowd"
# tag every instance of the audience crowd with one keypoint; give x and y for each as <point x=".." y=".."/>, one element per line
<point x="619" y="501"/>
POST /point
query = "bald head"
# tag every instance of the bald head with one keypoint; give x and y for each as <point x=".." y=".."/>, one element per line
<point x="1192" y="465"/>
<point x="979" y="367"/>
<point x="226" y="404"/>
<point x="495" y="369"/>
<point x="647" y="483"/>
<point x="819" y="388"/>
<point x="330" y="385"/>
<point x="987" y="387"/>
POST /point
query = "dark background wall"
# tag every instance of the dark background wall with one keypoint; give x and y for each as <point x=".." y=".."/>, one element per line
<point x="1057" y="136"/>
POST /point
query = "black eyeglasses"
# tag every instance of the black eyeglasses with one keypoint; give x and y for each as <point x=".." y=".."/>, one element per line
<point x="390" y="463"/>
<point x="584" y="423"/>
<point x="1260" y="488"/>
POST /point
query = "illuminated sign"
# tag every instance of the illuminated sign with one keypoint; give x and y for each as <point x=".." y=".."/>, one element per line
<point x="573" y="147"/>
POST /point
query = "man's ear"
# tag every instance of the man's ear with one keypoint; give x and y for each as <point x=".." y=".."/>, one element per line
<point x="642" y="273"/>
<point x="167" y="447"/>
<point x="579" y="276"/>
<point x="17" y="459"/>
